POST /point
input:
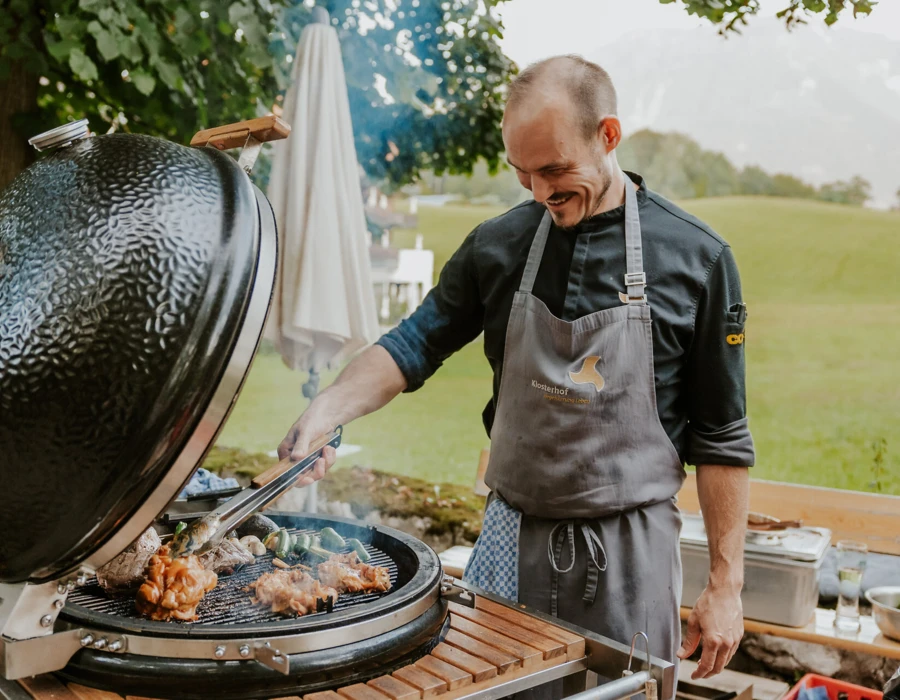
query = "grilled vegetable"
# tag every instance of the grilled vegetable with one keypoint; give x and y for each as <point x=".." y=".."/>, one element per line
<point x="253" y="545"/>
<point x="283" y="544"/>
<point x="257" y="525"/>
<point x="180" y="527"/>
<point x="301" y="546"/>
<point x="271" y="540"/>
<point x="331" y="541"/>
<point x="319" y="554"/>
<point x="360" y="550"/>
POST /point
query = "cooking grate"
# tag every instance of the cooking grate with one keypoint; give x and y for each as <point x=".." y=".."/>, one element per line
<point x="228" y="603"/>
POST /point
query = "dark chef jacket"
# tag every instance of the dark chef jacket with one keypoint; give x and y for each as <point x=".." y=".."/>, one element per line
<point x="693" y="288"/>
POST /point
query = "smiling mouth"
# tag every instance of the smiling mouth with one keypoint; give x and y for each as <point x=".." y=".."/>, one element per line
<point x="559" y="199"/>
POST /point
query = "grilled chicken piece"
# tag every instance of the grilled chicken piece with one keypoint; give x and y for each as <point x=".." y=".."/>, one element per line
<point x="174" y="587"/>
<point x="127" y="571"/>
<point x="225" y="558"/>
<point x="290" y="591"/>
<point x="347" y="574"/>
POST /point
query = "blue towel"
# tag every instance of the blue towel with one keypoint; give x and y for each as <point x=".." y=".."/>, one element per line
<point x="204" y="481"/>
<point x="817" y="692"/>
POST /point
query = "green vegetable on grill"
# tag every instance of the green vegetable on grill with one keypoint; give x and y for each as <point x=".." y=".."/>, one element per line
<point x="283" y="544"/>
<point x="331" y="541"/>
<point x="301" y="546"/>
<point x="360" y="550"/>
<point x="318" y="554"/>
<point x="180" y="527"/>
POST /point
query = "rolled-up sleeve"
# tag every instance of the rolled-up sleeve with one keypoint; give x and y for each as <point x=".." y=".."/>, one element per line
<point x="450" y="317"/>
<point x="718" y="426"/>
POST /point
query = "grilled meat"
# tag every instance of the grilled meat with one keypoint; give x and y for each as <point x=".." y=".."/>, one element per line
<point x="127" y="571"/>
<point x="174" y="587"/>
<point x="225" y="558"/>
<point x="290" y="591"/>
<point x="347" y="574"/>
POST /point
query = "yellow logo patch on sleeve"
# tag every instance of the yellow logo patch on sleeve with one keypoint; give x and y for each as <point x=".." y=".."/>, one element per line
<point x="735" y="339"/>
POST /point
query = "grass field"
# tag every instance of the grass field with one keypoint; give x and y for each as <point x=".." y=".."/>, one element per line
<point x="822" y="285"/>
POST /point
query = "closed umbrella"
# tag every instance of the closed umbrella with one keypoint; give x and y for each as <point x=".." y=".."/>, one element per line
<point x="324" y="307"/>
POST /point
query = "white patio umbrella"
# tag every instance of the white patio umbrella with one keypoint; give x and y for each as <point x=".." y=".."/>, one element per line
<point x="324" y="305"/>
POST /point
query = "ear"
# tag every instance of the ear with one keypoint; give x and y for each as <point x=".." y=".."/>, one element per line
<point x="609" y="132"/>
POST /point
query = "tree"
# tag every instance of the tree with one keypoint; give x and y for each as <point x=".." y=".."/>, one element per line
<point x="734" y="14"/>
<point x="425" y="79"/>
<point x="855" y="193"/>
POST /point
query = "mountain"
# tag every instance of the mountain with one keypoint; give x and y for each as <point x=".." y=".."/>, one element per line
<point x="822" y="104"/>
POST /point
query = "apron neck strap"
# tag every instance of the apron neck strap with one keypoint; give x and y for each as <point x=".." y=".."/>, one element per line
<point x="635" y="279"/>
<point x="535" y="254"/>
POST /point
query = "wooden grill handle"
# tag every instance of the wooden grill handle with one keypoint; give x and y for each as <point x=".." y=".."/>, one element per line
<point x="263" y="129"/>
<point x="273" y="473"/>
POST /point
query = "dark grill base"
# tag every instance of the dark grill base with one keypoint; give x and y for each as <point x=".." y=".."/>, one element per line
<point x="182" y="679"/>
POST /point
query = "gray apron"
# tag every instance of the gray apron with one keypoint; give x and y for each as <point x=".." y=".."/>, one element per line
<point x="582" y="522"/>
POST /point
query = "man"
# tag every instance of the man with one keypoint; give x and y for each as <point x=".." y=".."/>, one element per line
<point x="595" y="407"/>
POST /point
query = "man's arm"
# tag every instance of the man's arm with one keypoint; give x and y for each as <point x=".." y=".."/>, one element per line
<point x="368" y="383"/>
<point x="717" y="618"/>
<point x="720" y="444"/>
<point x="450" y="316"/>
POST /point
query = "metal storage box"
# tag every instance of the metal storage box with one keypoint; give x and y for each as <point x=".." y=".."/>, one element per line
<point x="781" y="571"/>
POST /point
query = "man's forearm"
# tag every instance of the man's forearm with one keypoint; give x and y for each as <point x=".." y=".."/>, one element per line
<point x="724" y="494"/>
<point x="365" y="385"/>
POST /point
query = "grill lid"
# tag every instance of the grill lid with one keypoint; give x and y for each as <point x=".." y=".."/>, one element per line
<point x="130" y="270"/>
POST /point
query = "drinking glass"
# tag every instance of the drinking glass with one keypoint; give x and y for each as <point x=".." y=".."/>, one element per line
<point x="851" y="564"/>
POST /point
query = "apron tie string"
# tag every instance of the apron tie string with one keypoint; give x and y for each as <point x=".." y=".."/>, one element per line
<point x="565" y="530"/>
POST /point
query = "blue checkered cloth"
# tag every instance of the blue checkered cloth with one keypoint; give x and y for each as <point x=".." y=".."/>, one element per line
<point x="204" y="481"/>
<point x="494" y="564"/>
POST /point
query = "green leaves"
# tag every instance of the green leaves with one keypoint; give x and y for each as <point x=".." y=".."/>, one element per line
<point x="60" y="50"/>
<point x="107" y="43"/>
<point x="736" y="12"/>
<point x="82" y="66"/>
<point x="143" y="81"/>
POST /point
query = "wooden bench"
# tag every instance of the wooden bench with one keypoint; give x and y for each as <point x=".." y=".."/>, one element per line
<point x="852" y="515"/>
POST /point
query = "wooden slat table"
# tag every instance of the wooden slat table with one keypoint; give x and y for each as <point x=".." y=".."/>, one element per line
<point x="486" y="646"/>
<point x="820" y="630"/>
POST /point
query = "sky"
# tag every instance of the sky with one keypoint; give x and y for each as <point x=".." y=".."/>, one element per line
<point x="538" y="28"/>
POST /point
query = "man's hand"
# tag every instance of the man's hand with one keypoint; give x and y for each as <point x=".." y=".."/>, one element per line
<point x="716" y="622"/>
<point x="314" y="423"/>
<point x="368" y="383"/>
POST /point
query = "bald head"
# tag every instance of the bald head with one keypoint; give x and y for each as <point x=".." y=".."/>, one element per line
<point x="587" y="86"/>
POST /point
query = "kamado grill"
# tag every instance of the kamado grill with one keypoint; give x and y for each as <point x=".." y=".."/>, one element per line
<point x="135" y="280"/>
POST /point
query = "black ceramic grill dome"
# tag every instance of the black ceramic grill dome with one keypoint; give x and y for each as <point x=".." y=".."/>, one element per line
<point x="126" y="268"/>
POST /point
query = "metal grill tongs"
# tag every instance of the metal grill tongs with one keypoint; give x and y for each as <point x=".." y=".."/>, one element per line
<point x="208" y="531"/>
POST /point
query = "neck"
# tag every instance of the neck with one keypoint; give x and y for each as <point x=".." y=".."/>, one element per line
<point x="615" y="193"/>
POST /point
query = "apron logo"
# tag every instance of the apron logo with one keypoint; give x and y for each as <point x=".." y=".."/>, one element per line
<point x="735" y="339"/>
<point x="588" y="373"/>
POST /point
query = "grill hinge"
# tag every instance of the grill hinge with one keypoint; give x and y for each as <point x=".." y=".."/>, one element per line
<point x="273" y="658"/>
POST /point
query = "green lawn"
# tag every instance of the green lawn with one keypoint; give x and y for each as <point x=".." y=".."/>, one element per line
<point x="822" y="287"/>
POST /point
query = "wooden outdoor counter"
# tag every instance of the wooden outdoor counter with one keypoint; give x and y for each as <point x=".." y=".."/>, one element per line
<point x="820" y="630"/>
<point x="486" y="646"/>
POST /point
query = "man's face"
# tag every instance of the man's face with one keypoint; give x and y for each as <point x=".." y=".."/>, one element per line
<point x="565" y="172"/>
